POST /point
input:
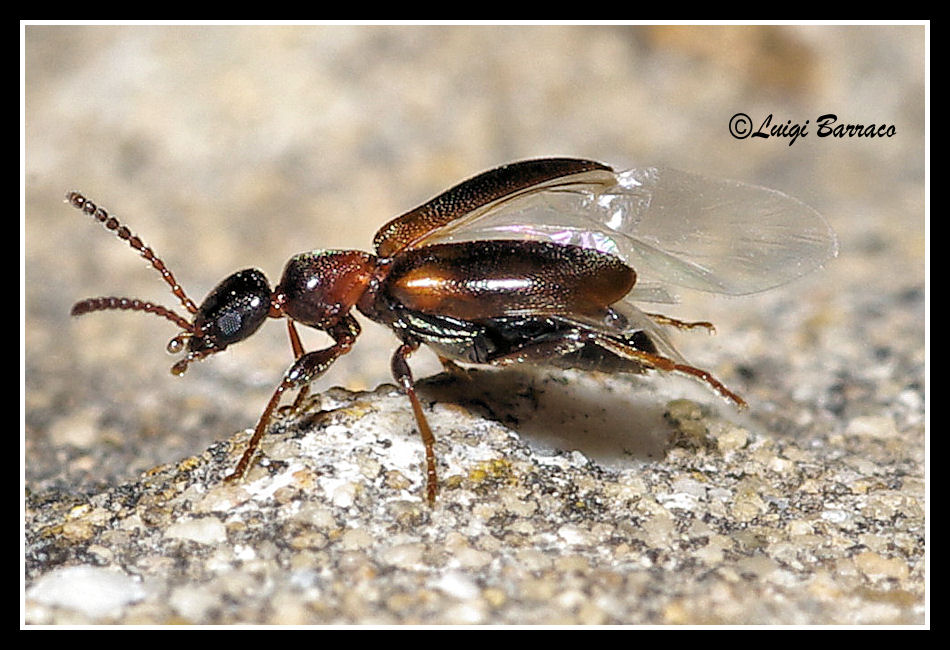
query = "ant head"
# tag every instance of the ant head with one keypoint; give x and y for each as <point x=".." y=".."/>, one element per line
<point x="233" y="310"/>
<point x="320" y="287"/>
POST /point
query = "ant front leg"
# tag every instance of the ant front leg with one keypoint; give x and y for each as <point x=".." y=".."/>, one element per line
<point x="298" y="352"/>
<point x="403" y="376"/>
<point x="306" y="368"/>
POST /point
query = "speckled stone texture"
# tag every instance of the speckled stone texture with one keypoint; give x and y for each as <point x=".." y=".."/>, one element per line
<point x="565" y="497"/>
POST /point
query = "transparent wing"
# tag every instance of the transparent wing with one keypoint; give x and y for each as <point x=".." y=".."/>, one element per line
<point x="672" y="227"/>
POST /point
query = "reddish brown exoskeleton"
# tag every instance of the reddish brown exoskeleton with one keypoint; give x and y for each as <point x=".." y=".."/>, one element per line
<point x="530" y="262"/>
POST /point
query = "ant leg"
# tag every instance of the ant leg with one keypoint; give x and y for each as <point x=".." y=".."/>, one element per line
<point x="538" y="350"/>
<point x="680" y="324"/>
<point x="403" y="375"/>
<point x="453" y="368"/>
<point x="305" y="369"/>
<point x="255" y="441"/>
<point x="298" y="352"/>
<point x="658" y="362"/>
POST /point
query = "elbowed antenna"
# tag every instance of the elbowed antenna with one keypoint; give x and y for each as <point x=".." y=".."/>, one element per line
<point x="121" y="231"/>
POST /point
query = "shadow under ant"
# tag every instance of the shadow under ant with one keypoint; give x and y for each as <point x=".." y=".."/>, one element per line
<point x="601" y="416"/>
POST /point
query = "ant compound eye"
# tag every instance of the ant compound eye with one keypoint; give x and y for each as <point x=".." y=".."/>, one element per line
<point x="233" y="311"/>
<point x="229" y="324"/>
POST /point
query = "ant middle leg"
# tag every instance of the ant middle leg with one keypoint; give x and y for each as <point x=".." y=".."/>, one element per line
<point x="298" y="352"/>
<point x="403" y="376"/>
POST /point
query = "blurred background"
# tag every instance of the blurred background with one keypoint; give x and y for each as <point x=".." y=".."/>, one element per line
<point x="238" y="146"/>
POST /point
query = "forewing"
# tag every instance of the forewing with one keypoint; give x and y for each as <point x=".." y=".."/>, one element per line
<point x="485" y="192"/>
<point x="672" y="227"/>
